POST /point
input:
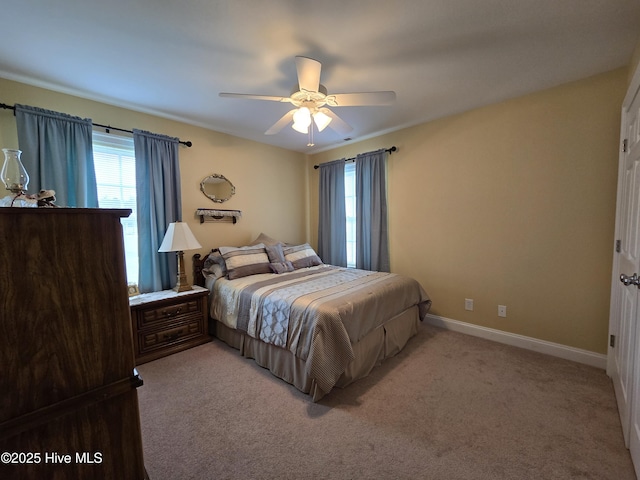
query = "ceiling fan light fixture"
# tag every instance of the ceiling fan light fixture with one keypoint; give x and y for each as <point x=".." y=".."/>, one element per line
<point x="302" y="120"/>
<point x="300" y="128"/>
<point x="321" y="120"/>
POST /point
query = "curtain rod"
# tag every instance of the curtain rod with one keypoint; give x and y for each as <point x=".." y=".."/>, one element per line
<point x="106" y="127"/>
<point x="390" y="150"/>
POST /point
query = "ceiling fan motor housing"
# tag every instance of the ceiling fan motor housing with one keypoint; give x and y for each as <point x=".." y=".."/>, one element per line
<point x="303" y="98"/>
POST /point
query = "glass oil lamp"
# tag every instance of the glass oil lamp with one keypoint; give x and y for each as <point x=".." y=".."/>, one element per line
<point x="14" y="176"/>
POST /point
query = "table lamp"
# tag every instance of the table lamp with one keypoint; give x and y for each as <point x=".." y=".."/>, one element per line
<point x="177" y="239"/>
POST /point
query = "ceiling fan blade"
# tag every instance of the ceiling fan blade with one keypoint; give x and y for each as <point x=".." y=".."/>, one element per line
<point x="280" y="124"/>
<point x="337" y="124"/>
<point x="361" y="99"/>
<point x="249" y="96"/>
<point x="308" y="73"/>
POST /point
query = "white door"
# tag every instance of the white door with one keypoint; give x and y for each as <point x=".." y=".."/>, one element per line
<point x="624" y="350"/>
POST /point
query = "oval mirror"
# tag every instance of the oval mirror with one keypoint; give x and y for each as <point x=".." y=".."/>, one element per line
<point x="217" y="188"/>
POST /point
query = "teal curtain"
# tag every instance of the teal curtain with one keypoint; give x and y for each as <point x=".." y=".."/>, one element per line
<point x="159" y="204"/>
<point x="57" y="152"/>
<point x="372" y="243"/>
<point x="332" y="225"/>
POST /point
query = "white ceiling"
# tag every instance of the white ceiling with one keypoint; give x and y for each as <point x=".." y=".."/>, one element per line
<point x="441" y="57"/>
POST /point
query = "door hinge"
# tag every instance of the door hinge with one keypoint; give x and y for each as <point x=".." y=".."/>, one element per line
<point x="625" y="144"/>
<point x="618" y="246"/>
<point x="612" y="341"/>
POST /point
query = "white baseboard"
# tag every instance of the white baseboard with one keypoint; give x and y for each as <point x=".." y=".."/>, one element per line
<point x="557" y="350"/>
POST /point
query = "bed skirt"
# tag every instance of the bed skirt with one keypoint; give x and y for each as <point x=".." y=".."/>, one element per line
<point x="383" y="342"/>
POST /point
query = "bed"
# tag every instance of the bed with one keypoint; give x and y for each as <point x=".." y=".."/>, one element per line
<point x="314" y="325"/>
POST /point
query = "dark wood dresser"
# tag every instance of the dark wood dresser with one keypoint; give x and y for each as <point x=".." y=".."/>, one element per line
<point x="68" y="400"/>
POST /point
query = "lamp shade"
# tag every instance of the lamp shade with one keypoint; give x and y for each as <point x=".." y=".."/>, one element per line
<point x="302" y="120"/>
<point x="178" y="238"/>
<point x="321" y="120"/>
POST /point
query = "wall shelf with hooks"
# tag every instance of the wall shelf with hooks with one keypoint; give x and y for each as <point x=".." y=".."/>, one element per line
<point x="218" y="215"/>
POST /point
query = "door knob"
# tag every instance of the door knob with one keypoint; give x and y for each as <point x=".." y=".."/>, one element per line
<point x="630" y="280"/>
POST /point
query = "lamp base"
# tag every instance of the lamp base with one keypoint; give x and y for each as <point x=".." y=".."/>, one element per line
<point x="182" y="285"/>
<point x="183" y="288"/>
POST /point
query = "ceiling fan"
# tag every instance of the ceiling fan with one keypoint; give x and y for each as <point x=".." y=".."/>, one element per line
<point x="310" y="98"/>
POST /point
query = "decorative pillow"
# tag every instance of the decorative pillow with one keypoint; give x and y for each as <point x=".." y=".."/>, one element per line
<point x="281" y="267"/>
<point x="302" y="256"/>
<point x="214" y="265"/>
<point x="244" y="261"/>
<point x="275" y="253"/>
<point x="265" y="240"/>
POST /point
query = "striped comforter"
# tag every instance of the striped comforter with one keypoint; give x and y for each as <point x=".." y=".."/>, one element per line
<point x="316" y="313"/>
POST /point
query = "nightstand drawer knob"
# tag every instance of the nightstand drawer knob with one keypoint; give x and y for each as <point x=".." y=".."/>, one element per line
<point x="172" y="313"/>
<point x="172" y="336"/>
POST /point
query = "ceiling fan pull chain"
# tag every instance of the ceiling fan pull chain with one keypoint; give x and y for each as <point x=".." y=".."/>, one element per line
<point x="310" y="144"/>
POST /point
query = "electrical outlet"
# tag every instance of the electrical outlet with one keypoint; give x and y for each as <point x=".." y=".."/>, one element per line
<point x="502" y="310"/>
<point x="468" y="304"/>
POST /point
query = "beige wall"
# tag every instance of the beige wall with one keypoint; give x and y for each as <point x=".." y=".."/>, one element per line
<point x="511" y="204"/>
<point x="269" y="189"/>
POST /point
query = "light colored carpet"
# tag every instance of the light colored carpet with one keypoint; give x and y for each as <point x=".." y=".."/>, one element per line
<point x="449" y="406"/>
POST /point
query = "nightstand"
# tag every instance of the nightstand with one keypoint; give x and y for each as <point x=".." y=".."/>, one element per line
<point x="167" y="322"/>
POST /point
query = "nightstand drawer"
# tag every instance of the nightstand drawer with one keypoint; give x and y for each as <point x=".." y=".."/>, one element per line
<point x="169" y="312"/>
<point x="152" y="340"/>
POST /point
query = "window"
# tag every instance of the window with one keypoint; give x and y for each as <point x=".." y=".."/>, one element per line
<point x="115" y="165"/>
<point x="350" y="206"/>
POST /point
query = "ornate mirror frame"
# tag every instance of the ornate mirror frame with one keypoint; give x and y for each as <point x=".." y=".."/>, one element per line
<point x="217" y="188"/>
